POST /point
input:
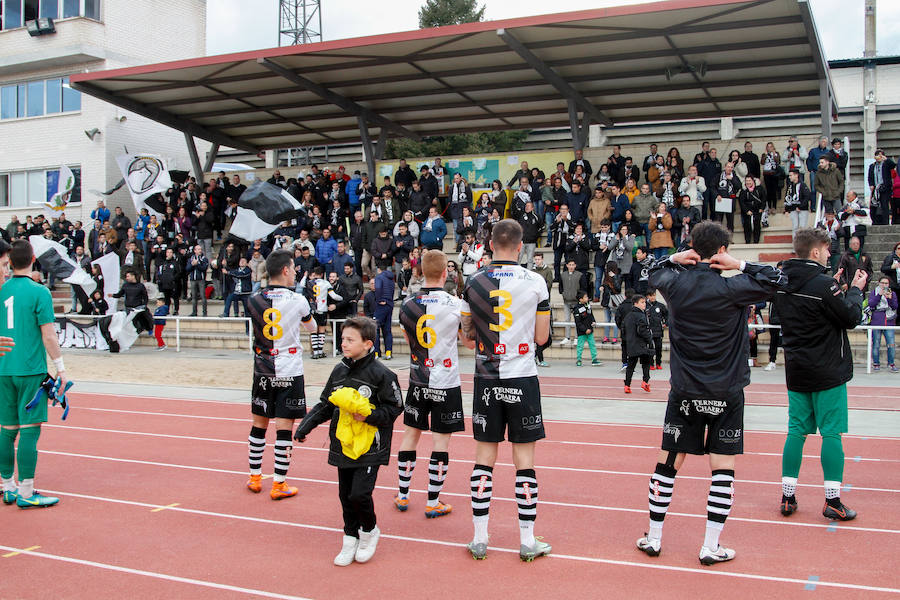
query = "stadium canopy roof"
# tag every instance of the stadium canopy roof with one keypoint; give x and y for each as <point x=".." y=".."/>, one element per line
<point x="670" y="60"/>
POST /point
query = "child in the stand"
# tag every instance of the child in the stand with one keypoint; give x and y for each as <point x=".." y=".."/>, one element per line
<point x="584" y="327"/>
<point x="639" y="341"/>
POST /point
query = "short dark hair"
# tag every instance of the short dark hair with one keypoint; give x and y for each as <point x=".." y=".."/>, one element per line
<point x="644" y="249"/>
<point x="277" y="261"/>
<point x="582" y="293"/>
<point x="708" y="237"/>
<point x="364" y="325"/>
<point x="651" y="291"/>
<point x="318" y="270"/>
<point x="807" y="238"/>
<point x="506" y="234"/>
<point x="20" y="254"/>
<point x="4" y="248"/>
<point x="637" y="298"/>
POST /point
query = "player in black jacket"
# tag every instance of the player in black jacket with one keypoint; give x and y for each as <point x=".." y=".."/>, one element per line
<point x="356" y="477"/>
<point x="636" y="330"/>
<point x="709" y="355"/>
<point x="815" y="316"/>
<point x="658" y="315"/>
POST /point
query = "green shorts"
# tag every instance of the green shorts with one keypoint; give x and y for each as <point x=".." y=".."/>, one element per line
<point x="825" y="410"/>
<point x="15" y="392"/>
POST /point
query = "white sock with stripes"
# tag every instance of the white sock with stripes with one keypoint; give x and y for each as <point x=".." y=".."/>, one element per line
<point x="662" y="484"/>
<point x="283" y="449"/>
<point x="482" y="488"/>
<point x="406" y="462"/>
<point x="718" y="505"/>
<point x="526" y="498"/>
<point x="257" y="445"/>
<point x="437" y="472"/>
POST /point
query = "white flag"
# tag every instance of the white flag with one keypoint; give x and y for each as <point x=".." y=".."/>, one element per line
<point x="55" y="259"/>
<point x="109" y="266"/>
<point x="61" y="195"/>
<point x="146" y="175"/>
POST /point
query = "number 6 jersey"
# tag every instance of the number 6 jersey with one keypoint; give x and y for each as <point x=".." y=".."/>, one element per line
<point x="503" y="300"/>
<point x="431" y="322"/>
<point x="276" y="313"/>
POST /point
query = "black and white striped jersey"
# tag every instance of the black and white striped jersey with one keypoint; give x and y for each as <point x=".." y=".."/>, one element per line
<point x="431" y="322"/>
<point x="277" y="313"/>
<point x="503" y="300"/>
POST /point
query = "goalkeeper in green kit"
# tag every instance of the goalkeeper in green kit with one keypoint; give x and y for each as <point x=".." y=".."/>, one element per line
<point x="26" y="316"/>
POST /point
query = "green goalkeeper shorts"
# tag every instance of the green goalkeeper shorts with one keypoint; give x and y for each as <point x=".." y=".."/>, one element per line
<point x="15" y="392"/>
<point x="825" y="410"/>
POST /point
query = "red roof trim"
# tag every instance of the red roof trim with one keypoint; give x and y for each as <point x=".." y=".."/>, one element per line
<point x="405" y="36"/>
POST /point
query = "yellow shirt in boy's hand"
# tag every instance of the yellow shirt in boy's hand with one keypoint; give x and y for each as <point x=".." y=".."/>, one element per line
<point x="356" y="437"/>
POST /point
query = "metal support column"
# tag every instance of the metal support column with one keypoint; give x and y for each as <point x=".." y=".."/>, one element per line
<point x="870" y="98"/>
<point x="580" y="127"/>
<point x="368" y="147"/>
<point x="211" y="158"/>
<point x="825" y="103"/>
<point x="195" y="159"/>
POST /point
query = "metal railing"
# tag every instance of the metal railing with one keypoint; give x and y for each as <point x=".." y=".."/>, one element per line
<point x="178" y="319"/>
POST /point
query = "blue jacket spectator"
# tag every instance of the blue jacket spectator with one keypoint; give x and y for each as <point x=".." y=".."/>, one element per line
<point x="161" y="311"/>
<point x="577" y="205"/>
<point x="101" y="213"/>
<point x="433" y="232"/>
<point x="140" y="226"/>
<point x="326" y="248"/>
<point x="619" y="206"/>
<point x="812" y="159"/>
<point x="340" y="260"/>
<point x="352" y="189"/>
<point x="384" y="287"/>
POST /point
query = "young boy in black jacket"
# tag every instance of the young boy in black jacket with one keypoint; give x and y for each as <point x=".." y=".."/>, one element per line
<point x="584" y="327"/>
<point x="622" y="311"/>
<point x="658" y="315"/>
<point x="636" y="330"/>
<point x="356" y="476"/>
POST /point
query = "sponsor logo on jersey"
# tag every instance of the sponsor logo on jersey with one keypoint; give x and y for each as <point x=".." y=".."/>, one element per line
<point x="480" y="347"/>
<point x="729" y="436"/>
<point x="710" y="407"/>
<point x="415" y="359"/>
<point x="292" y="351"/>
<point x="499" y="348"/>
<point x="524" y="348"/>
<point x="486" y="397"/>
<point x="673" y="430"/>
<point x="412" y="411"/>
<point x="295" y="402"/>
<point x="365" y="391"/>
<point x="434" y="395"/>
<point x="532" y="422"/>
<point x="262" y="383"/>
<point x="281" y="382"/>
<point x="448" y="363"/>
<point x="429" y="362"/>
<point x="451" y="416"/>
<point x="685" y="407"/>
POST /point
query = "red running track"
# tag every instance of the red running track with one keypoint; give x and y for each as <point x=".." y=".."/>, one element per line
<point x="153" y="499"/>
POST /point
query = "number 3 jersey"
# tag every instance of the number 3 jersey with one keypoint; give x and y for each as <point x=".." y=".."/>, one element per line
<point x="503" y="300"/>
<point x="431" y="322"/>
<point x="277" y="313"/>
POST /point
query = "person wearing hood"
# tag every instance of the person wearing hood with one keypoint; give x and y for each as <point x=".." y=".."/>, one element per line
<point x="818" y="362"/>
<point x="384" y="308"/>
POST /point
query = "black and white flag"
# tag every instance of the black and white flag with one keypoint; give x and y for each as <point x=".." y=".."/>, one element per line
<point x="261" y="209"/>
<point x="55" y="259"/>
<point x="147" y="178"/>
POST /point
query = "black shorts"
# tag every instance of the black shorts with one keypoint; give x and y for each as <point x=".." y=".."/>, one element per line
<point x="278" y="397"/>
<point x="443" y="406"/>
<point x="321" y="319"/>
<point x="704" y="426"/>
<point x="514" y="403"/>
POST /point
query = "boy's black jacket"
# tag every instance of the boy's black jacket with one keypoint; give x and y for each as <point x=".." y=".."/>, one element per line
<point x="373" y="381"/>
<point x="584" y="318"/>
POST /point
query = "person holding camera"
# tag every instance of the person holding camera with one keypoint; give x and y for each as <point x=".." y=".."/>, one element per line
<point x="883" y="304"/>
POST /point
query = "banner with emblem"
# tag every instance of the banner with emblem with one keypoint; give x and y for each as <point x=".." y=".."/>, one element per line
<point x="61" y="192"/>
<point x="147" y="178"/>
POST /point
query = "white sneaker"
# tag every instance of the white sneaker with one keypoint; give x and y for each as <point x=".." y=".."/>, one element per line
<point x="565" y="342"/>
<point x="769" y="367"/>
<point x="348" y="551"/>
<point x="711" y="557"/>
<point x="648" y="546"/>
<point x="367" y="543"/>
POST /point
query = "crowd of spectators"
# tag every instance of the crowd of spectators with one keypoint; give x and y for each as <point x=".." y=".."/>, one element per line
<point x="603" y="227"/>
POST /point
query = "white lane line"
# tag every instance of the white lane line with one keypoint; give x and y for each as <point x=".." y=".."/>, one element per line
<point x="467" y="462"/>
<point x="502" y="499"/>
<point x="130" y="571"/>
<point x="551" y="421"/>
<point x="588" y="559"/>
<point x="465" y="436"/>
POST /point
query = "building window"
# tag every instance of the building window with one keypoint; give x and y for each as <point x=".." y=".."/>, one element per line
<point x="16" y="13"/>
<point x="28" y="99"/>
<point x="28" y="189"/>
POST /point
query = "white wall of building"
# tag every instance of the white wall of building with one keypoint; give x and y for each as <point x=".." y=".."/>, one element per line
<point x="129" y="34"/>
<point x="848" y="85"/>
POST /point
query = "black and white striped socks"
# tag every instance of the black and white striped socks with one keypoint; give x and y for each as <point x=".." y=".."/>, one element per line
<point x="437" y="472"/>
<point x="526" y="498"/>
<point x="257" y="444"/>
<point x="283" y="448"/>
<point x="718" y="505"/>
<point x="482" y="488"/>
<point x="406" y="462"/>
<point x="317" y="341"/>
<point x="662" y="483"/>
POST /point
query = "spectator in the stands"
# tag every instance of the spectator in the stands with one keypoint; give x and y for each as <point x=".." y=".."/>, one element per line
<point x="434" y="230"/>
<point x="694" y="186"/>
<point x="796" y="201"/>
<point x="660" y="226"/>
<point x="794" y="157"/>
<point x="812" y="162"/>
<point x="890" y="267"/>
<point x="880" y="183"/>
<point x="599" y="210"/>
<point x="773" y="174"/>
<point x="326" y="248"/>
<point x="883" y="305"/>
<point x="752" y="161"/>
<point x="850" y="217"/>
<point x="751" y="203"/>
<point x="101" y="213"/>
<point x="581" y="161"/>
<point x="852" y="259"/>
<point x="829" y="183"/>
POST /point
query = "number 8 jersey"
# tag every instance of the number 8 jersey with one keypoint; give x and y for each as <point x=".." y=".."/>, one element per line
<point x="431" y="322"/>
<point x="276" y="313"/>
<point x="503" y="300"/>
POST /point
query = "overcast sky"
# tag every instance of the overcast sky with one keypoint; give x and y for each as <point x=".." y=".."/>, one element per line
<point x="235" y="25"/>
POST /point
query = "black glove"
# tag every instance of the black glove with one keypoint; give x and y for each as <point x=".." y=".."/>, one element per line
<point x="299" y="437"/>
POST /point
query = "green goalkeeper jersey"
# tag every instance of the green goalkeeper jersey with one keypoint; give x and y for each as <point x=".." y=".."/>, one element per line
<point x="24" y="307"/>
